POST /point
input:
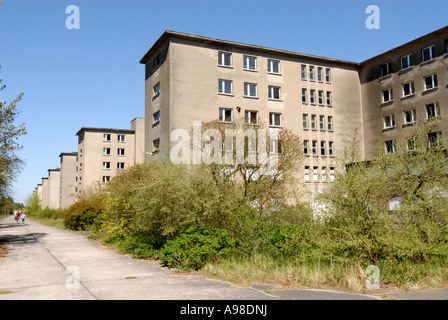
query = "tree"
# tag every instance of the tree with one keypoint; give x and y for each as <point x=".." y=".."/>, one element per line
<point x="10" y="163"/>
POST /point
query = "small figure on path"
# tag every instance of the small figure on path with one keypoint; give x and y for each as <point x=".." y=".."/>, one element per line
<point x="23" y="218"/>
<point x="17" y="216"/>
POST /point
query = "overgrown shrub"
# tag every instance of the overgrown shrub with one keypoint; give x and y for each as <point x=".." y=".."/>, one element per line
<point x="82" y="214"/>
<point x="196" y="246"/>
<point x="48" y="213"/>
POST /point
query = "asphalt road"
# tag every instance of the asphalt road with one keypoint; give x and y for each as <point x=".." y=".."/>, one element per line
<point x="46" y="263"/>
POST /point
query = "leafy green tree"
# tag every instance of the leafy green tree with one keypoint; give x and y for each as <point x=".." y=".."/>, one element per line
<point x="10" y="163"/>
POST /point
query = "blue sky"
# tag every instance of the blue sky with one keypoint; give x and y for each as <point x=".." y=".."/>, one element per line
<point x="91" y="77"/>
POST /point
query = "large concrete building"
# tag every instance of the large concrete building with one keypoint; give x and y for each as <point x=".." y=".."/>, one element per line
<point x="325" y="101"/>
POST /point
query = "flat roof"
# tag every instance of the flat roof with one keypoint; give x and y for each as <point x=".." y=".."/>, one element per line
<point x="105" y="130"/>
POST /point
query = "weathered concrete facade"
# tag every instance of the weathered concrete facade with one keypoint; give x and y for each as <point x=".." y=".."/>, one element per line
<point x="67" y="193"/>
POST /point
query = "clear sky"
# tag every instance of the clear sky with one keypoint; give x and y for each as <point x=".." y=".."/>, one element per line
<point x="91" y="76"/>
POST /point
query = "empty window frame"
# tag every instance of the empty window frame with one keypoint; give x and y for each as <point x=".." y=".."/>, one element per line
<point x="390" y="146"/>
<point x="273" y="66"/>
<point x="408" y="89"/>
<point x="304" y="96"/>
<point x="303" y="72"/>
<point x="411" y="144"/>
<point x="274" y="93"/>
<point x="314" y="147"/>
<point x="249" y="63"/>
<point x="410" y="116"/>
<point x="312" y="75"/>
<point x="305" y="121"/>
<point x="332" y="174"/>
<point x="226" y="115"/>
<point x="251" y="117"/>
<point x="224" y="59"/>
<point x="320" y="74"/>
<point x="316" y="174"/>
<point x="121" y="152"/>
<point x="431" y="82"/>
<point x="106" y="165"/>
<point x="313" y="122"/>
<point x="330" y="123"/>
<point x="323" y="148"/>
<point x="156" y="117"/>
<point x="156" y="62"/>
<point x="250" y="90"/>
<point x="313" y="96"/>
<point x="329" y="98"/>
<point x="328" y="75"/>
<point x="389" y="121"/>
<point x="121" y="138"/>
<point x="156" y="145"/>
<point x="120" y="165"/>
<point x="322" y="123"/>
<point x="156" y="90"/>
<point x="225" y="86"/>
<point x="406" y="62"/>
<point x="105" y="179"/>
<point x="428" y="53"/>
<point x="307" y="174"/>
<point x="306" y="147"/>
<point x="387" y="95"/>
<point x="275" y="119"/>
<point x="324" y="174"/>
<point x="434" y="139"/>
<point x="432" y="111"/>
<point x="385" y="69"/>
<point x="331" y="148"/>
<point x="107" y="137"/>
<point x="106" y="152"/>
<point x="320" y="96"/>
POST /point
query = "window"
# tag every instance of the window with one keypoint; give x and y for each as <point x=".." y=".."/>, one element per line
<point x="387" y="95"/>
<point x="322" y="123"/>
<point x="120" y="166"/>
<point x="313" y="96"/>
<point x="306" y="147"/>
<point x="225" y="86"/>
<point x="106" y="151"/>
<point x="156" y="145"/>
<point x="330" y="123"/>
<point x="323" y="148"/>
<point x="432" y="111"/>
<point x="314" y="146"/>
<point x="105" y="179"/>
<point x="304" y="96"/>
<point x="224" y="59"/>
<point x="303" y="72"/>
<point x="107" y="137"/>
<point x="319" y="74"/>
<point x="251" y="117"/>
<point x="275" y="119"/>
<point x="410" y="116"/>
<point x="320" y="97"/>
<point x="329" y="99"/>
<point x="273" y="66"/>
<point x="316" y="174"/>
<point x="156" y="62"/>
<point x="106" y="165"/>
<point x="385" y="70"/>
<point x="434" y="139"/>
<point x="250" y="63"/>
<point x="121" y="138"/>
<point x="389" y="121"/>
<point x="332" y="173"/>
<point x="331" y="148"/>
<point x="307" y="174"/>
<point x="328" y="75"/>
<point x="411" y="144"/>
<point x="408" y="89"/>
<point x="121" y="151"/>
<point x="225" y="115"/>
<point x="428" y="53"/>
<point x="275" y="147"/>
<point x="156" y="117"/>
<point x="305" y="121"/>
<point x="390" y="146"/>
<point x="324" y="174"/>
<point x="274" y="93"/>
<point x="313" y="122"/>
<point x="250" y="90"/>
<point x="312" y="73"/>
<point x="156" y="90"/>
<point x="431" y="82"/>
<point x="406" y="62"/>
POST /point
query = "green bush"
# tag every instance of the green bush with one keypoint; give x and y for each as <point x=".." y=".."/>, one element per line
<point x="81" y="215"/>
<point x="194" y="247"/>
<point x="48" y="213"/>
<point x="138" y="245"/>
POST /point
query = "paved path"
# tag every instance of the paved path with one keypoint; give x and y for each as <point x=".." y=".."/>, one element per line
<point x="46" y="263"/>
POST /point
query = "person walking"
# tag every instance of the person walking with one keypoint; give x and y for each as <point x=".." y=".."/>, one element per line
<point x="23" y="217"/>
<point x="17" y="216"/>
